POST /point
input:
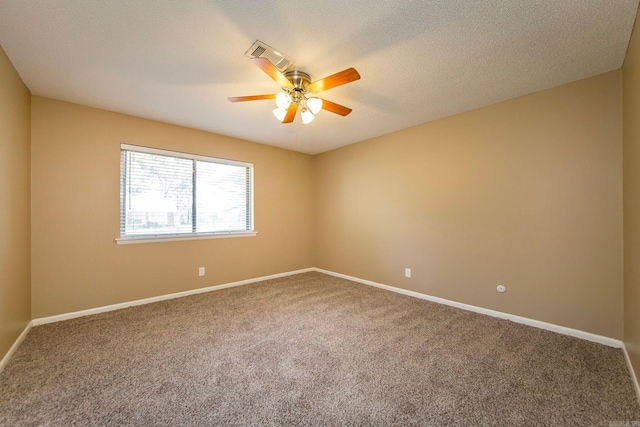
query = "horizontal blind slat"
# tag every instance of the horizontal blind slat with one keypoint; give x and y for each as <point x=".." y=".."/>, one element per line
<point x="157" y="191"/>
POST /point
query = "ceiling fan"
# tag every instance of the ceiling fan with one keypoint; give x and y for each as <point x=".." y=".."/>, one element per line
<point x="299" y="91"/>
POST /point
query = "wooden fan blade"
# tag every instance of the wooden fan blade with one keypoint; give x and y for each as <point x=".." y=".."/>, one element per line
<point x="291" y="113"/>
<point x="265" y="65"/>
<point x="335" y="108"/>
<point x="250" y="98"/>
<point x="343" y="77"/>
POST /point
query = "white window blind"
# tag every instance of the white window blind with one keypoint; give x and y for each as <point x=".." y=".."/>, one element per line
<point x="166" y="193"/>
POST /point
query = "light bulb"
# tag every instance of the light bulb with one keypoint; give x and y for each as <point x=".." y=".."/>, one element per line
<point x="283" y="100"/>
<point x="314" y="105"/>
<point x="280" y="113"/>
<point x="307" y="116"/>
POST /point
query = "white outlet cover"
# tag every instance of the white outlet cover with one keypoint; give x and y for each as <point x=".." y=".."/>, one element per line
<point x="501" y="288"/>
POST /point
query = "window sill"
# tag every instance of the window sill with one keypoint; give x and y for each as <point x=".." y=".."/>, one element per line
<point x="177" y="237"/>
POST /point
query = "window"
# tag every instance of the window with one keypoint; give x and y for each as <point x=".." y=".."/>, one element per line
<point x="166" y="195"/>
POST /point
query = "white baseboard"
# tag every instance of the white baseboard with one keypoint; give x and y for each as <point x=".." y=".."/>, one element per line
<point x="611" y="342"/>
<point x="106" y="308"/>
<point x="634" y="378"/>
<point x="518" y="319"/>
<point x="15" y="346"/>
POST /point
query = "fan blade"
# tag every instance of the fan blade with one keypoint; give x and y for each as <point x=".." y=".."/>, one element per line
<point x="343" y="77"/>
<point x="335" y="108"/>
<point x="291" y="113"/>
<point x="265" y="65"/>
<point x="251" y="98"/>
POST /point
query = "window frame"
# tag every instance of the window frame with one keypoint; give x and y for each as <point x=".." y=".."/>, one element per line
<point x="169" y="237"/>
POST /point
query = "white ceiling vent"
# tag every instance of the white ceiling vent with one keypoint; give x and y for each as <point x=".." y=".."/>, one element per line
<point x="263" y="50"/>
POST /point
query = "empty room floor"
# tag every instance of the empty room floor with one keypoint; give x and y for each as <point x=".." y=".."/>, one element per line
<point x="309" y="349"/>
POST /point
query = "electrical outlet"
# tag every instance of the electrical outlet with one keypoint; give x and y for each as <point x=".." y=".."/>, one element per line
<point x="407" y="272"/>
<point x="201" y="271"/>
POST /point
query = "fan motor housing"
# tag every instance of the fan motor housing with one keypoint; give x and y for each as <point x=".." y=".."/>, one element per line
<point x="300" y="79"/>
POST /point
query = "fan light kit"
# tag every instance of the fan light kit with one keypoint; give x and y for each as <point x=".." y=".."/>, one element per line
<point x="310" y="106"/>
<point x="297" y="89"/>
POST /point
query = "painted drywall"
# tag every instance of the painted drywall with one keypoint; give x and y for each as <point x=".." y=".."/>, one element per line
<point x="631" y="151"/>
<point x="15" y="208"/>
<point x="76" y="264"/>
<point x="526" y="193"/>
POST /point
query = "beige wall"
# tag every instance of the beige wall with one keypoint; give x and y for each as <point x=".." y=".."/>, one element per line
<point x="631" y="119"/>
<point x="77" y="265"/>
<point x="525" y="193"/>
<point x="15" y="211"/>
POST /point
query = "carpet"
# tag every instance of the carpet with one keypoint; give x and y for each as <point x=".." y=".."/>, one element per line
<point x="310" y="349"/>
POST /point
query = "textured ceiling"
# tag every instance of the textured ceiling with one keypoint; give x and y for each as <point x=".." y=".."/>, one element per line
<point x="178" y="61"/>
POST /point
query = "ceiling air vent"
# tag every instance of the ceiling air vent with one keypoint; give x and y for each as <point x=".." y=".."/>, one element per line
<point x="263" y="50"/>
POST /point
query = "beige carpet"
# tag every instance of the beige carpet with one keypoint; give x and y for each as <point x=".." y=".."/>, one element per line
<point x="309" y="349"/>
